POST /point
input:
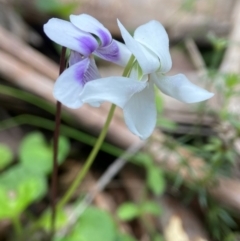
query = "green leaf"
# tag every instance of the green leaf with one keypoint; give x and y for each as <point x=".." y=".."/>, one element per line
<point x="166" y="124"/>
<point x="155" y="180"/>
<point x="6" y="156"/>
<point x="60" y="222"/>
<point x="158" y="237"/>
<point x="64" y="148"/>
<point x="231" y="80"/>
<point x="128" y="211"/>
<point x="151" y="208"/>
<point x="56" y="7"/>
<point x="94" y="224"/>
<point x="125" y="237"/>
<point x="19" y="188"/>
<point x="143" y="159"/>
<point x="36" y="155"/>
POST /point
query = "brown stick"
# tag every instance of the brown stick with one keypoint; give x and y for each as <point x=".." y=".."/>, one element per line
<point x="93" y="119"/>
<point x="55" y="148"/>
<point x="14" y="46"/>
<point x="90" y="118"/>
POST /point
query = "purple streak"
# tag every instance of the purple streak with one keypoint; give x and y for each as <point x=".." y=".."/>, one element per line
<point x="89" y="44"/>
<point x="82" y="67"/>
<point x="110" y="53"/>
<point x="105" y="37"/>
<point x="86" y="70"/>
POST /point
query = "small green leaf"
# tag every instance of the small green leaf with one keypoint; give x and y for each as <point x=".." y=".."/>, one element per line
<point x="128" y="211"/>
<point x="61" y="220"/>
<point x="155" y="180"/>
<point x="64" y="148"/>
<point x="6" y="156"/>
<point x="56" y="7"/>
<point x="231" y="80"/>
<point x="166" y="124"/>
<point x="36" y="155"/>
<point x="150" y="208"/>
<point x="125" y="237"/>
<point x="19" y="187"/>
<point x="143" y="159"/>
<point x="158" y="237"/>
<point x="94" y="224"/>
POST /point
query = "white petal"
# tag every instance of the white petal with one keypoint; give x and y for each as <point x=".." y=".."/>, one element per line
<point x="89" y="24"/>
<point x="137" y="74"/>
<point x="116" y="90"/>
<point x="140" y="112"/>
<point x="154" y="36"/>
<point x="115" y="52"/>
<point x="74" y="58"/>
<point x="180" y="88"/>
<point x="148" y="61"/>
<point x="70" y="83"/>
<point x="66" y="34"/>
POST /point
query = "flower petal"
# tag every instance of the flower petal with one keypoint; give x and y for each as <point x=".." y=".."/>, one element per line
<point x="115" y="52"/>
<point x="117" y="90"/>
<point x="75" y="57"/>
<point x="140" y="112"/>
<point x="70" y="83"/>
<point x="180" y="88"/>
<point x="154" y="36"/>
<point x="89" y="24"/>
<point x="65" y="34"/>
<point x="148" y="61"/>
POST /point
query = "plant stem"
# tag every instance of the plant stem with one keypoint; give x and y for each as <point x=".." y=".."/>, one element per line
<point x="89" y="161"/>
<point x="67" y="131"/>
<point x="55" y="149"/>
<point x="96" y="147"/>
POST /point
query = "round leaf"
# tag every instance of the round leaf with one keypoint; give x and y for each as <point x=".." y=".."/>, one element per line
<point x="18" y="189"/>
<point x="6" y="156"/>
<point x="125" y="237"/>
<point x="94" y="224"/>
<point x="64" y="148"/>
<point x="150" y="208"/>
<point x="155" y="180"/>
<point x="60" y="222"/>
<point x="128" y="211"/>
<point x="36" y="155"/>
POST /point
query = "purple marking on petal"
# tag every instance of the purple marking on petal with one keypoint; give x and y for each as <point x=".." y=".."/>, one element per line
<point x="88" y="44"/>
<point x="80" y="71"/>
<point x="86" y="71"/>
<point x="75" y="57"/>
<point x="109" y="53"/>
<point x="105" y="37"/>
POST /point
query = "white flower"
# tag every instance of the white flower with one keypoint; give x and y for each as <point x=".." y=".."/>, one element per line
<point x="150" y="47"/>
<point x="85" y="36"/>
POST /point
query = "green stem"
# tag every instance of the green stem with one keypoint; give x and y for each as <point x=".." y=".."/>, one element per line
<point x="67" y="131"/>
<point x="32" y="99"/>
<point x="17" y="225"/>
<point x="89" y="161"/>
<point x="96" y="147"/>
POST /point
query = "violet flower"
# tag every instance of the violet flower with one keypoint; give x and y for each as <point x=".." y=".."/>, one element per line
<point x="84" y="36"/>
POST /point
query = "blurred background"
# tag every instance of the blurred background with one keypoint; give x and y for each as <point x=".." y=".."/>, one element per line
<point x="183" y="184"/>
